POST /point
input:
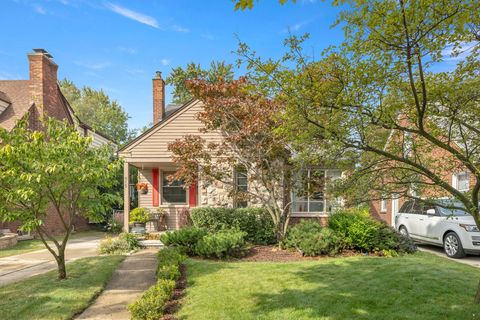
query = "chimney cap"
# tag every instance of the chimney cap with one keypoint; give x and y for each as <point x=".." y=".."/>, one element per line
<point x="44" y="52"/>
<point x="158" y="75"/>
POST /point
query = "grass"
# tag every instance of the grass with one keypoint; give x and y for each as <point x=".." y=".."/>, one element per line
<point x="45" y="297"/>
<point x="419" y="286"/>
<point x="25" y="246"/>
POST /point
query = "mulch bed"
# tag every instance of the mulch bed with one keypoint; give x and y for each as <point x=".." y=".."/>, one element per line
<point x="274" y="254"/>
<point x="172" y="306"/>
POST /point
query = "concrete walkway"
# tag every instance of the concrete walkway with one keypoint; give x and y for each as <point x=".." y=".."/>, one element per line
<point x="22" y="266"/>
<point x="471" y="260"/>
<point x="134" y="275"/>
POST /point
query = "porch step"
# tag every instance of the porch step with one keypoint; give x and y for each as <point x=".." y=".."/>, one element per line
<point x="151" y="243"/>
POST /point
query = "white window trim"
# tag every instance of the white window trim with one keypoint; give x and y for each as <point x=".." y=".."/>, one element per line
<point x="455" y="182"/>
<point x="160" y="192"/>
<point x="316" y="214"/>
<point x="383" y="205"/>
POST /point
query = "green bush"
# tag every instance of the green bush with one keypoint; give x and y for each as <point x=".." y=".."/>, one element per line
<point x="124" y="243"/>
<point x="311" y="239"/>
<point x="362" y="232"/>
<point x="168" y="272"/>
<point x="139" y="215"/>
<point x="151" y="305"/>
<point x="186" y="238"/>
<point x="170" y="256"/>
<point x="326" y="241"/>
<point x="387" y="239"/>
<point x="223" y="244"/>
<point x="255" y="222"/>
<point x="113" y="226"/>
<point x="297" y="232"/>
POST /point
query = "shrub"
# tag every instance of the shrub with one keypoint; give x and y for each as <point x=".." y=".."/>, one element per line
<point x="311" y="239"/>
<point x="326" y="241"/>
<point x="124" y="243"/>
<point x="255" y="222"/>
<point x="170" y="256"/>
<point x="139" y="215"/>
<point x="151" y="305"/>
<point x="387" y="239"/>
<point x="168" y="272"/>
<point x="297" y="232"/>
<point x="361" y="232"/>
<point x="113" y="226"/>
<point x="223" y="244"/>
<point x="186" y="238"/>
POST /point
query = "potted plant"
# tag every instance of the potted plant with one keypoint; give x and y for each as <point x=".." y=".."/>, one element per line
<point x="142" y="187"/>
<point x="139" y="216"/>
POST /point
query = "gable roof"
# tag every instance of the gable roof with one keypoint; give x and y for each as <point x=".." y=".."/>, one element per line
<point x="17" y="92"/>
<point x="168" y="117"/>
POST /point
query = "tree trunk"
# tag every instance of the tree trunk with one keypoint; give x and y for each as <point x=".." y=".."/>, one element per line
<point x="477" y="295"/>
<point x="62" y="271"/>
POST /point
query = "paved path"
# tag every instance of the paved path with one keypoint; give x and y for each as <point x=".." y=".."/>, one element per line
<point x="134" y="275"/>
<point x="469" y="259"/>
<point x="18" y="267"/>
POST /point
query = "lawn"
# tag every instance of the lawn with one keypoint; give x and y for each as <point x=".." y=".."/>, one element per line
<point x="25" y="246"/>
<point x="45" y="297"/>
<point x="419" y="286"/>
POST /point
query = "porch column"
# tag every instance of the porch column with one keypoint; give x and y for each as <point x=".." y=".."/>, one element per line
<point x="126" y="195"/>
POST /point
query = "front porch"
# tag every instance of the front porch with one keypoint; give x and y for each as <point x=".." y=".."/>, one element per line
<point x="160" y="194"/>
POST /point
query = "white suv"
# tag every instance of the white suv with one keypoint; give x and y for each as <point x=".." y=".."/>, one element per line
<point x="453" y="229"/>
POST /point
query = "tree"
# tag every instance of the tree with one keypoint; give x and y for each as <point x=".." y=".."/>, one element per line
<point x="246" y="123"/>
<point x="379" y="100"/>
<point x="219" y="70"/>
<point x="55" y="171"/>
<point x="95" y="108"/>
<point x="248" y="4"/>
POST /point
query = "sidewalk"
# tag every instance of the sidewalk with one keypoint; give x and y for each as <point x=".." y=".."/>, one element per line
<point x="135" y="275"/>
<point x="22" y="266"/>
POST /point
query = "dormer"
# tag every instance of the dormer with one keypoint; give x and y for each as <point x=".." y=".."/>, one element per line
<point x="4" y="102"/>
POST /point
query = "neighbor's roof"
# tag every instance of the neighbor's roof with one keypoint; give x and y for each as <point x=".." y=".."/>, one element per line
<point x="17" y="92"/>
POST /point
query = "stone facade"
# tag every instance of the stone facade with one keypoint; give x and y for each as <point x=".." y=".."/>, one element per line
<point x="8" y="240"/>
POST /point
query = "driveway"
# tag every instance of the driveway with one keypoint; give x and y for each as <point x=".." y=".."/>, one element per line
<point x="19" y="267"/>
<point x="469" y="259"/>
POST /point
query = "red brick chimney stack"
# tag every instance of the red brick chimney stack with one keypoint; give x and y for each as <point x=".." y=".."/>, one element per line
<point x="158" y="98"/>
<point x="43" y="81"/>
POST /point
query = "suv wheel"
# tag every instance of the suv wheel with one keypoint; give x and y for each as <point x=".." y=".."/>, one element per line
<point x="453" y="246"/>
<point x="403" y="231"/>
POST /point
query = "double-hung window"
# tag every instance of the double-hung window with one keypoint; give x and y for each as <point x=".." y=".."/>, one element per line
<point x="173" y="191"/>
<point x="461" y="181"/>
<point x="308" y="196"/>
<point x="241" y="185"/>
<point x="383" y="205"/>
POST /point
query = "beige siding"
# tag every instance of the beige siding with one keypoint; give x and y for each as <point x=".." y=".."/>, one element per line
<point x="155" y="144"/>
<point x="98" y="140"/>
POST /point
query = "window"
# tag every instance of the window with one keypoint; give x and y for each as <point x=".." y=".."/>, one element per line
<point x="309" y="192"/>
<point x="173" y="192"/>
<point x="383" y="205"/>
<point x="241" y="184"/>
<point x="407" y="144"/>
<point x="407" y="206"/>
<point x="461" y="181"/>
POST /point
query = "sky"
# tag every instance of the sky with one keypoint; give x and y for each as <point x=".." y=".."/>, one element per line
<point x="118" y="45"/>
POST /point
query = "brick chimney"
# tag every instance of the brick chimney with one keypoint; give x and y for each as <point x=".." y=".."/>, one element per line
<point x="43" y="82"/>
<point x="158" y="98"/>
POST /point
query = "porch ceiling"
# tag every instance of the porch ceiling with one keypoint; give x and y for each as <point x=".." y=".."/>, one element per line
<point x="150" y="164"/>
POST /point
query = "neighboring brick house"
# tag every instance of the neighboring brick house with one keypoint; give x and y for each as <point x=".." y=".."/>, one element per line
<point x="149" y="153"/>
<point x="36" y="98"/>
<point x="449" y="169"/>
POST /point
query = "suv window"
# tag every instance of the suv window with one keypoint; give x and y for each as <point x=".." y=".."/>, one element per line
<point x="406" y="207"/>
<point x="427" y="206"/>
<point x="417" y="208"/>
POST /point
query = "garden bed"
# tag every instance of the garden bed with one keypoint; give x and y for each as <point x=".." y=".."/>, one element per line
<point x="274" y="254"/>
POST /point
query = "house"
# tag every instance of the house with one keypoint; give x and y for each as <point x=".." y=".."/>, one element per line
<point x="34" y="99"/>
<point x="387" y="206"/>
<point x="150" y="155"/>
